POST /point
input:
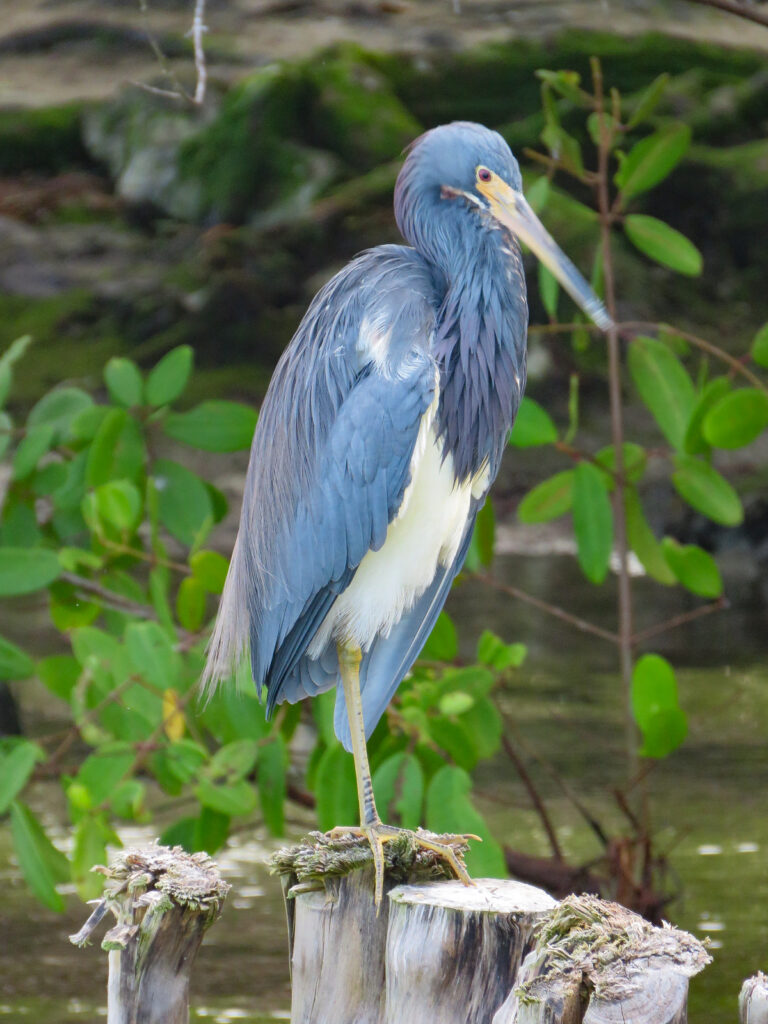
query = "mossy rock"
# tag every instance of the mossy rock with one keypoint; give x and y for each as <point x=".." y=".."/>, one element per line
<point x="138" y="136"/>
<point x="354" y="110"/>
<point x="248" y="158"/>
<point x="46" y="141"/>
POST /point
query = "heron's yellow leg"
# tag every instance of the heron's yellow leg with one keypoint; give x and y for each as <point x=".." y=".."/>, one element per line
<point x="371" y="825"/>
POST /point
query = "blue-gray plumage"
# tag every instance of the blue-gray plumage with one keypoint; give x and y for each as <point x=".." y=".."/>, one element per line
<point x="381" y="432"/>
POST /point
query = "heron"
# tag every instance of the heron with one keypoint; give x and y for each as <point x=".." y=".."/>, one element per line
<point x="379" y="437"/>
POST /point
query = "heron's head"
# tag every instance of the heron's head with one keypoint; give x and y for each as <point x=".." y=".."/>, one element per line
<point x="458" y="186"/>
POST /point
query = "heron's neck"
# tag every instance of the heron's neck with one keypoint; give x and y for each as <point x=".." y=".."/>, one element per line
<point x="481" y="348"/>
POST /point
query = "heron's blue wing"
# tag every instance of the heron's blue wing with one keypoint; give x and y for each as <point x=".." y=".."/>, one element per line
<point x="329" y="464"/>
<point x="361" y="475"/>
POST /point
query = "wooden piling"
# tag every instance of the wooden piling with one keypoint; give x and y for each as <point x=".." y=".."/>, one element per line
<point x="453" y="952"/>
<point x="164" y="901"/>
<point x="598" y="963"/>
<point x="498" y="952"/>
<point x="753" y="1000"/>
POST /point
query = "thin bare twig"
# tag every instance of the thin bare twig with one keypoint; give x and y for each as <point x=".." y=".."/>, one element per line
<point x="538" y="803"/>
<point x="741" y="10"/>
<point x="551" y="609"/>
<point x="706" y="346"/>
<point x="680" y="620"/>
<point x="198" y="30"/>
<point x="108" y="597"/>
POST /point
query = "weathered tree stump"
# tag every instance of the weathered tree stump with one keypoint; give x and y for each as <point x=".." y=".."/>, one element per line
<point x="164" y="901"/>
<point x="599" y="963"/>
<point x="753" y="1000"/>
<point x="453" y="952"/>
<point x="439" y="952"/>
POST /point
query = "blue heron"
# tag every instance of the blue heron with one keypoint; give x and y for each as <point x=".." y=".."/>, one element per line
<point x="380" y="434"/>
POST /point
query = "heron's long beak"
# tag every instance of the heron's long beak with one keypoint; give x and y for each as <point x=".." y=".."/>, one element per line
<point x="511" y="209"/>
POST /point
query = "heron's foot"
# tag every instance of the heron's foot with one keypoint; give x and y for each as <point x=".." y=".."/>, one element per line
<point x="448" y="848"/>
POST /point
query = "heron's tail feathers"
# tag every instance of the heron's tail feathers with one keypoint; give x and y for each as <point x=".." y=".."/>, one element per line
<point x="228" y="646"/>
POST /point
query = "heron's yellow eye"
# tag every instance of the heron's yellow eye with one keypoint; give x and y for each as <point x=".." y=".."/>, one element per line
<point x="483" y="174"/>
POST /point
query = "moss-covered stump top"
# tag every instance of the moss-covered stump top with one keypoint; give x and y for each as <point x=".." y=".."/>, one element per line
<point x="159" y="878"/>
<point x="189" y="879"/>
<point x="609" y="947"/>
<point x="321" y="855"/>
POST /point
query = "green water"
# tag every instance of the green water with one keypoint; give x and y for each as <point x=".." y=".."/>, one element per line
<point x="707" y="805"/>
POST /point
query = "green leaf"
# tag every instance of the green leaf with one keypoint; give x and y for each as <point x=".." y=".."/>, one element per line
<point x="25" y="570"/>
<point x="6" y="428"/>
<point x="533" y="426"/>
<point x="58" y="409"/>
<point x="152" y="655"/>
<point x="15" y="664"/>
<point x="270" y="776"/>
<point x="665" y="732"/>
<point x="664" y="386"/>
<point x="43" y="866"/>
<point x="210" y="568"/>
<point x="694" y="568"/>
<point x="484" y="726"/>
<point x="450" y="809"/>
<point x="233" y="761"/>
<point x="663" y="244"/>
<point x="472" y="679"/>
<point x="648" y="100"/>
<point x="59" y="674"/>
<point x="736" y="419"/>
<point x="759" y="350"/>
<point x="707" y="491"/>
<point x="549" y="290"/>
<point x="183" y="501"/>
<point x="634" y="458"/>
<point x="537" y="194"/>
<point x="190" y="604"/>
<point x="101" y="772"/>
<point x="443" y="643"/>
<point x="37" y="441"/>
<point x="565" y="83"/>
<point x="207" y="832"/>
<point x="398" y="786"/>
<point x="16" y="767"/>
<point x="592" y="521"/>
<point x="643" y="542"/>
<point x="234" y="799"/>
<point x="654" y="687"/>
<point x="483" y="539"/>
<point x="594" y="127"/>
<point x="119" y="504"/>
<point x="336" y="789"/>
<point x="213" y="426"/>
<point x="169" y="378"/>
<point x="652" y="159"/>
<point x="548" y="500"/>
<point x="491" y="650"/>
<point x="124" y="383"/>
<point x="711" y="393"/>
<point x="12" y="354"/>
<point x="117" y="451"/>
<point x="90" y="848"/>
<point x="455" y="703"/>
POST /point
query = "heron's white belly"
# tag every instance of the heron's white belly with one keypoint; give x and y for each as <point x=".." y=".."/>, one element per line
<point x="426" y="534"/>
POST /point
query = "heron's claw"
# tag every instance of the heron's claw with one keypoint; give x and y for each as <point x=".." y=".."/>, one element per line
<point x="378" y="834"/>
